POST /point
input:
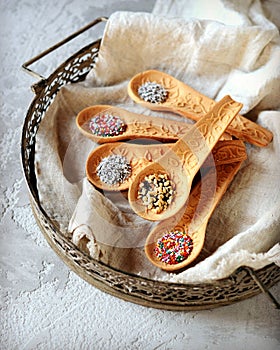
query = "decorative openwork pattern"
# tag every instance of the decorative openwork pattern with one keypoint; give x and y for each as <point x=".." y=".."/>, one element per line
<point x="129" y="287"/>
<point x="73" y="70"/>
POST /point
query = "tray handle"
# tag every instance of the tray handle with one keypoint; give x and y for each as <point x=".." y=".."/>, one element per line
<point x="26" y="65"/>
<point x="263" y="288"/>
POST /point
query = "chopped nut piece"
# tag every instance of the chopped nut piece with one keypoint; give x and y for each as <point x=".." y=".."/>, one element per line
<point x="156" y="192"/>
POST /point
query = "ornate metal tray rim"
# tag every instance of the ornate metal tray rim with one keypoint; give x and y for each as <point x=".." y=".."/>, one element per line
<point x="242" y="284"/>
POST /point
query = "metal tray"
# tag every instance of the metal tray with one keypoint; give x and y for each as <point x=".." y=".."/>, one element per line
<point x="243" y="283"/>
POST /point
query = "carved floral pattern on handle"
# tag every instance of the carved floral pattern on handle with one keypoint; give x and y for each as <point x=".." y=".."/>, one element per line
<point x="202" y="207"/>
<point x="226" y="152"/>
<point x="188" y="99"/>
<point x="160" y="128"/>
<point x="193" y="148"/>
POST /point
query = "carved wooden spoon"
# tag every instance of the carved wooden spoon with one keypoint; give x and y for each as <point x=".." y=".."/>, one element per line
<point x="180" y="165"/>
<point x="192" y="220"/>
<point x="140" y="155"/>
<point x="184" y="100"/>
<point x="134" y="125"/>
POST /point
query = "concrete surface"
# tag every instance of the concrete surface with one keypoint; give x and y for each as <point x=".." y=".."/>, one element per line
<point x="44" y="305"/>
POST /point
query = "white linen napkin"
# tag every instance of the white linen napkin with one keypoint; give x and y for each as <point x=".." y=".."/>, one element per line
<point x="232" y="51"/>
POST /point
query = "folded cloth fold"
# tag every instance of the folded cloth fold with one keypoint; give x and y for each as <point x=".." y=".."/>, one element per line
<point x="239" y="57"/>
<point x="213" y="58"/>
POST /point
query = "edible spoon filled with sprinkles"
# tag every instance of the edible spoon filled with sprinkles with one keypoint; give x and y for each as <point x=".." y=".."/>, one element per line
<point x="112" y="166"/>
<point x="105" y="123"/>
<point x="160" y="91"/>
<point x="176" y="242"/>
<point x="162" y="188"/>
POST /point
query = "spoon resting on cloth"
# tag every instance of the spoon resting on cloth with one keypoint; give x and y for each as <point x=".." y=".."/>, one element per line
<point x="162" y="188"/>
<point x="190" y="223"/>
<point x="186" y="101"/>
<point x="104" y="123"/>
<point x="138" y="156"/>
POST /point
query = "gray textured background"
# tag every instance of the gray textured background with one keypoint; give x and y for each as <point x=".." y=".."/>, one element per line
<point x="43" y="304"/>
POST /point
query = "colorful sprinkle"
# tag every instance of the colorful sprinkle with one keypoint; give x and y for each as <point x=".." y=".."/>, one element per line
<point x="156" y="192"/>
<point x="113" y="170"/>
<point x="106" y="125"/>
<point x="152" y="92"/>
<point x="174" y="247"/>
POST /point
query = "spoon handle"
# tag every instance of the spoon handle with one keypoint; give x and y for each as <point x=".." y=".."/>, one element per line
<point x="224" y="174"/>
<point x="241" y="127"/>
<point x="194" y="147"/>
<point x="203" y="199"/>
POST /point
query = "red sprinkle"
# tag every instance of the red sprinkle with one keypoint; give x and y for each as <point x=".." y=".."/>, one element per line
<point x="174" y="247"/>
<point x="107" y="125"/>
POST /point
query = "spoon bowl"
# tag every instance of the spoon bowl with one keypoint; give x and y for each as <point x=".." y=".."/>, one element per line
<point x="156" y="170"/>
<point x="197" y="239"/>
<point x="186" y="101"/>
